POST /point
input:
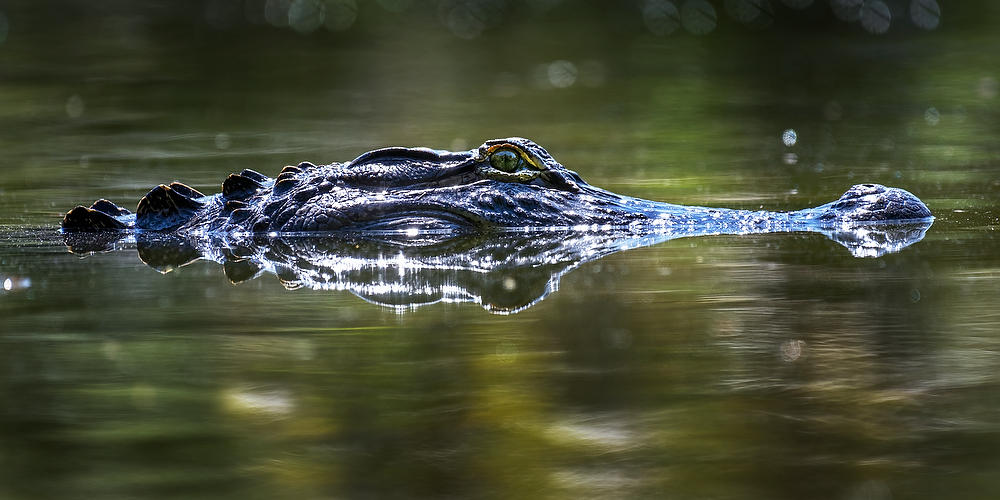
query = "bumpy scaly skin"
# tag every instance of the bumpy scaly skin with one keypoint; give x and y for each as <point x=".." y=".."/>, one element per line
<point x="874" y="202"/>
<point x="418" y="188"/>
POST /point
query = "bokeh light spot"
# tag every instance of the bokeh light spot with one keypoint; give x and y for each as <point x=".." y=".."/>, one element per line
<point x="75" y="106"/>
<point x="306" y="16"/>
<point x="340" y="14"/>
<point x="509" y="284"/>
<point x="847" y="10"/>
<point x="755" y="13"/>
<point x="562" y="74"/>
<point x="988" y="87"/>
<point x="464" y="22"/>
<point x="792" y="350"/>
<point x="276" y="12"/>
<point x="698" y="17"/>
<point x="875" y="17"/>
<point x="932" y="116"/>
<point x="789" y="137"/>
<point x="661" y="17"/>
<point x="222" y="141"/>
<point x="469" y="18"/>
<point x="925" y="14"/>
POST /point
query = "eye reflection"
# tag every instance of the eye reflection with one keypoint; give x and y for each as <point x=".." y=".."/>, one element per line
<point x="505" y="160"/>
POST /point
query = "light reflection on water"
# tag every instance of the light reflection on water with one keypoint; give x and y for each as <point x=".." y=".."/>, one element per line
<point x="763" y="366"/>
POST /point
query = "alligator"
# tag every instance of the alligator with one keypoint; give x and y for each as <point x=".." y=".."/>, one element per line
<point x="505" y="184"/>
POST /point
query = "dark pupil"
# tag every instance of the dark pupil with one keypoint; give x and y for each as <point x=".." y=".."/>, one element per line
<point x="505" y="160"/>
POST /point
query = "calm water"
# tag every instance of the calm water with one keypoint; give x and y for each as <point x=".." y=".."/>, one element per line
<point x="763" y="366"/>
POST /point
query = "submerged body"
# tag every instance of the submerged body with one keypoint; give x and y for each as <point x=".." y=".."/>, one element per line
<point x="503" y="184"/>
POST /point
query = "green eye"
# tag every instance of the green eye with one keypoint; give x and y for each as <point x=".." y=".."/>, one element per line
<point x="505" y="160"/>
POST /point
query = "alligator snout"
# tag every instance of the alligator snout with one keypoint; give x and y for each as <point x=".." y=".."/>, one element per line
<point x="874" y="202"/>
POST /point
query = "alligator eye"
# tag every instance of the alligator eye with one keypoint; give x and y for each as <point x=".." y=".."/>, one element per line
<point x="505" y="160"/>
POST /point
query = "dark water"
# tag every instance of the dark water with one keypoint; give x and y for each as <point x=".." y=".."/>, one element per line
<point x="756" y="366"/>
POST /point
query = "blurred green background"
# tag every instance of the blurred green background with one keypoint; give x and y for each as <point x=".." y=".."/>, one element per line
<point x="768" y="366"/>
<point x="118" y="96"/>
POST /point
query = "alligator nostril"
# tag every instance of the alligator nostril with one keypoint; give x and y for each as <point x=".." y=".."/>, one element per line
<point x="868" y="185"/>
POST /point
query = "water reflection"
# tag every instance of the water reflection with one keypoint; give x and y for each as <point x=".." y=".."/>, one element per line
<point x="504" y="272"/>
<point x="14" y="283"/>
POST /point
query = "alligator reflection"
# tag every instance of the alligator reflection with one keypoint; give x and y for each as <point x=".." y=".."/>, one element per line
<point x="505" y="272"/>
